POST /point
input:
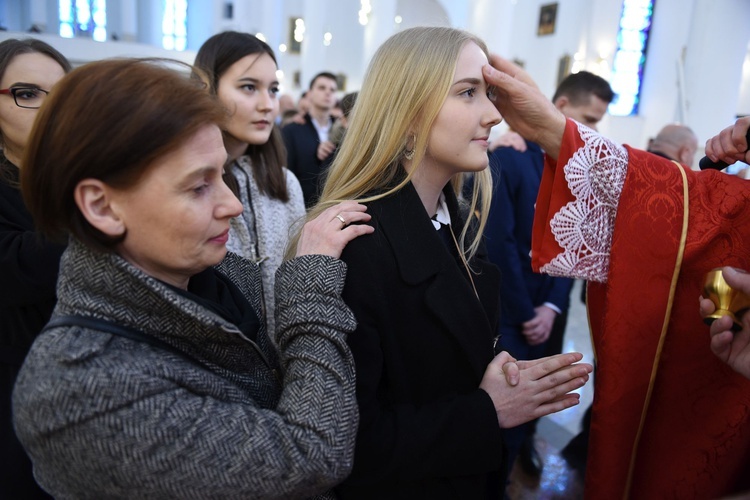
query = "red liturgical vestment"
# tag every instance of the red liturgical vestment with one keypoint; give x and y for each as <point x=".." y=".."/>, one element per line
<point x="670" y="420"/>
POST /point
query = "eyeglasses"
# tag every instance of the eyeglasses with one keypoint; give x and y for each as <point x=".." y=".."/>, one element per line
<point x="27" y="97"/>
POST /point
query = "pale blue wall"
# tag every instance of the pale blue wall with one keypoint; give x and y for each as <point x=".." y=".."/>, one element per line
<point x="710" y="36"/>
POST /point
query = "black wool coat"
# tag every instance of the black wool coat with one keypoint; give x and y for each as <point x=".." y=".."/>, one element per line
<point x="421" y="347"/>
<point x="28" y="275"/>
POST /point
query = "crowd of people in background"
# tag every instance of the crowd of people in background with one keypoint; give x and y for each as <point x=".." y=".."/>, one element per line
<point x="209" y="290"/>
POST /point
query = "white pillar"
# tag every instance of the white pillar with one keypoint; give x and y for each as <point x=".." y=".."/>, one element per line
<point x="661" y="90"/>
<point x="744" y="104"/>
<point x="274" y="24"/>
<point x="150" y="15"/>
<point x="380" y="26"/>
<point x="492" y="21"/>
<point x="716" y="49"/>
<point x="313" y="55"/>
<point x="129" y="22"/>
<point x="200" y="23"/>
<point x="459" y="12"/>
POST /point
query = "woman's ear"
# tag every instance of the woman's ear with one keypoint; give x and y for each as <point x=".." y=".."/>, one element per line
<point x="94" y="200"/>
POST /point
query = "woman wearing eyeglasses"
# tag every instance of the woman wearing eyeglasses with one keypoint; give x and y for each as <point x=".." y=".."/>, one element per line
<point x="29" y="68"/>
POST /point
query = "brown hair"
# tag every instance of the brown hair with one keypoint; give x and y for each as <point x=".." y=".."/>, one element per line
<point x="9" y="49"/>
<point x="108" y="120"/>
<point x="214" y="58"/>
<point x="579" y="87"/>
<point x="323" y="74"/>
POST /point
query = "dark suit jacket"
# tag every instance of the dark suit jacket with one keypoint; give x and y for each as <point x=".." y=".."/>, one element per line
<point x="421" y="347"/>
<point x="301" y="142"/>
<point x="516" y="177"/>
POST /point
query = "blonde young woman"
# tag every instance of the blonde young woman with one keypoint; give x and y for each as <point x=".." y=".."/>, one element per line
<point x="432" y="400"/>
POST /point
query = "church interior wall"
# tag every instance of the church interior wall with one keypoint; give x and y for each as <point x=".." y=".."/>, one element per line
<point x="694" y="74"/>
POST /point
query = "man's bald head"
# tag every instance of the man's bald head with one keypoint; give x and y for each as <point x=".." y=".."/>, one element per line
<point x="676" y="142"/>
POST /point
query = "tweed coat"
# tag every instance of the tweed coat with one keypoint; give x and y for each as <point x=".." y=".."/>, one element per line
<point x="107" y="417"/>
<point x="261" y="232"/>
<point x="422" y="344"/>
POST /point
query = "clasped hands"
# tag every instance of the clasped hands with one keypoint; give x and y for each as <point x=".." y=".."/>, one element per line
<point x="522" y="391"/>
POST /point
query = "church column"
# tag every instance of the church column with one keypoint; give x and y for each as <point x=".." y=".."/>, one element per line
<point x="149" y="18"/>
<point x="381" y="25"/>
<point x="492" y="20"/>
<point x="313" y="54"/>
<point x="716" y="49"/>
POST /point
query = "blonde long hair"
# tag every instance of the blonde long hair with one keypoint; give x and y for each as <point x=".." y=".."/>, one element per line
<point x="402" y="93"/>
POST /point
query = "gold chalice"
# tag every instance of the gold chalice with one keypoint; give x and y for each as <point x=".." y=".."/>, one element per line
<point x="728" y="301"/>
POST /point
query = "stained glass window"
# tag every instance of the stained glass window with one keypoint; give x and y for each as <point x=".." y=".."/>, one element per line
<point x="630" y="57"/>
<point x="86" y="18"/>
<point x="174" y="25"/>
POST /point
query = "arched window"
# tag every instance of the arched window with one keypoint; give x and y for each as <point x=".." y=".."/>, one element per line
<point x="85" y="18"/>
<point x="630" y="57"/>
<point x="174" y="25"/>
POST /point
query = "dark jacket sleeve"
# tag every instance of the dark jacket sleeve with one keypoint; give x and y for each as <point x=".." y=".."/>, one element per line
<point x="28" y="263"/>
<point x="502" y="244"/>
<point x="559" y="292"/>
<point x="292" y="160"/>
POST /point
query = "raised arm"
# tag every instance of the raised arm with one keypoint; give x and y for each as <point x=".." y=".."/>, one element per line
<point x="731" y="144"/>
<point x="524" y="107"/>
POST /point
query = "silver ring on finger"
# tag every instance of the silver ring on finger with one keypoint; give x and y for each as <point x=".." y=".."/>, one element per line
<point x="343" y="221"/>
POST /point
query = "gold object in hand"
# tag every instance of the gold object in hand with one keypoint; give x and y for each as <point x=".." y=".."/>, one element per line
<point x="728" y="301"/>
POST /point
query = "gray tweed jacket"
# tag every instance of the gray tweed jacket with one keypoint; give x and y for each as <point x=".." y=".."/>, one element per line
<point x="261" y="232"/>
<point x="103" y="416"/>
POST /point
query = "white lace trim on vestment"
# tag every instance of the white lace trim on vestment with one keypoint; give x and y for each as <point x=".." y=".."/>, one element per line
<point x="584" y="227"/>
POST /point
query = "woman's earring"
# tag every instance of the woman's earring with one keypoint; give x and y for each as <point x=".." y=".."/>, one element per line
<point x="409" y="153"/>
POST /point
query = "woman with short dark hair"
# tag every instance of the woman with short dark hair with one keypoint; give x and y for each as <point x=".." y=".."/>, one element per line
<point x="155" y="377"/>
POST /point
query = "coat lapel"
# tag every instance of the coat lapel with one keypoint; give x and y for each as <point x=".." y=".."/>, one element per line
<point x="422" y="257"/>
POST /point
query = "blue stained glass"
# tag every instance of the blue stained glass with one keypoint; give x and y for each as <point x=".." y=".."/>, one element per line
<point x="100" y="16"/>
<point x="630" y="57"/>
<point x="100" y="34"/>
<point x="624" y="105"/>
<point x="83" y="13"/>
<point x="66" y="30"/>
<point x="174" y="25"/>
<point x="631" y="40"/>
<point x="65" y="11"/>
<point x="86" y="18"/>
<point x="167" y="25"/>
<point x="627" y="61"/>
